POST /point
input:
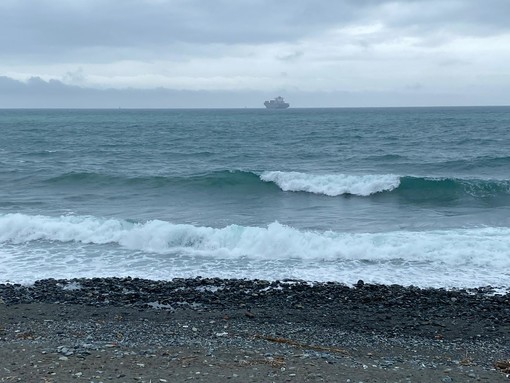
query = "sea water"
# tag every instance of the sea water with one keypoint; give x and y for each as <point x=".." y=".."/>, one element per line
<point x="413" y="196"/>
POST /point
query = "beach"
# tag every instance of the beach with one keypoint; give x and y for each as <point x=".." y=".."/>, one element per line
<point x="301" y="245"/>
<point x="210" y="329"/>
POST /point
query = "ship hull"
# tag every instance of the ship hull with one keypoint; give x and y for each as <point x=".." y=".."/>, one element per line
<point x="277" y="106"/>
<point x="276" y="103"/>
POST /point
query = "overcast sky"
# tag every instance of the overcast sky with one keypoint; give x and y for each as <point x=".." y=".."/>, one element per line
<point x="234" y="53"/>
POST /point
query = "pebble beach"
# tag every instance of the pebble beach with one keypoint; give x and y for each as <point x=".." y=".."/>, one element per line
<point x="306" y="245"/>
<point x="217" y="330"/>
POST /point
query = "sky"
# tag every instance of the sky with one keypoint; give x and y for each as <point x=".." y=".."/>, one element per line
<point x="238" y="53"/>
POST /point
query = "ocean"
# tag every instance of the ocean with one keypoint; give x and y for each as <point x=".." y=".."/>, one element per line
<point x="409" y="196"/>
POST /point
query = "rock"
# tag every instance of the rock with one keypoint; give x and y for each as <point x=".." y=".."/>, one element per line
<point x="249" y="314"/>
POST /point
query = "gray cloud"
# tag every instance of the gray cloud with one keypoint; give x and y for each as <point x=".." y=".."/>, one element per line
<point x="54" y="26"/>
<point x="37" y="93"/>
<point x="291" y="56"/>
<point x="40" y="27"/>
<point x="246" y="47"/>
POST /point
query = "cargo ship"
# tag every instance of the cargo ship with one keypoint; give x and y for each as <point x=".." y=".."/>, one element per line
<point x="276" y="103"/>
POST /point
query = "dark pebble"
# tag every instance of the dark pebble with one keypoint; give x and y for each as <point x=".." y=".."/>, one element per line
<point x="386" y="309"/>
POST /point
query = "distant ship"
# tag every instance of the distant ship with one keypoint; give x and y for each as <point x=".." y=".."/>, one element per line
<point x="276" y="103"/>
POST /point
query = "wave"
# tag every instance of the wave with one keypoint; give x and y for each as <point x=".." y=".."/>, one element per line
<point x="332" y="184"/>
<point x="411" y="188"/>
<point x="480" y="247"/>
<point x="210" y="179"/>
<point x="447" y="189"/>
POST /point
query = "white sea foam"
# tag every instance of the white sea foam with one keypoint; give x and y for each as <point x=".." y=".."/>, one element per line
<point x="481" y="246"/>
<point x="332" y="184"/>
<point x="34" y="247"/>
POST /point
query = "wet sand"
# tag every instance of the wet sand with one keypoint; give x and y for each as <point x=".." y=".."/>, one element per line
<point x="133" y="330"/>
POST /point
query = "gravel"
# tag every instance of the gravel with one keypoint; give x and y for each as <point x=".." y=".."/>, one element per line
<point x="208" y="329"/>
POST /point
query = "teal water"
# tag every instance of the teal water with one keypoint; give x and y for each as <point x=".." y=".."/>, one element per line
<point x="412" y="196"/>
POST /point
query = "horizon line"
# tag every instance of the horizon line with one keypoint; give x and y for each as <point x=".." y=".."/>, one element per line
<point x="253" y="108"/>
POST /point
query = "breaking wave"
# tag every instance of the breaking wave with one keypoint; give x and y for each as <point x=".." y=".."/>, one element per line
<point x="332" y="184"/>
<point x="480" y="247"/>
<point x="413" y="188"/>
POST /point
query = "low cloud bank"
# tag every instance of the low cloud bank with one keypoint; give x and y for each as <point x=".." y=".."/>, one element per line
<point x="38" y="93"/>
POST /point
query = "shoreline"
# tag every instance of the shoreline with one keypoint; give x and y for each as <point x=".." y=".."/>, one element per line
<point x="209" y="329"/>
